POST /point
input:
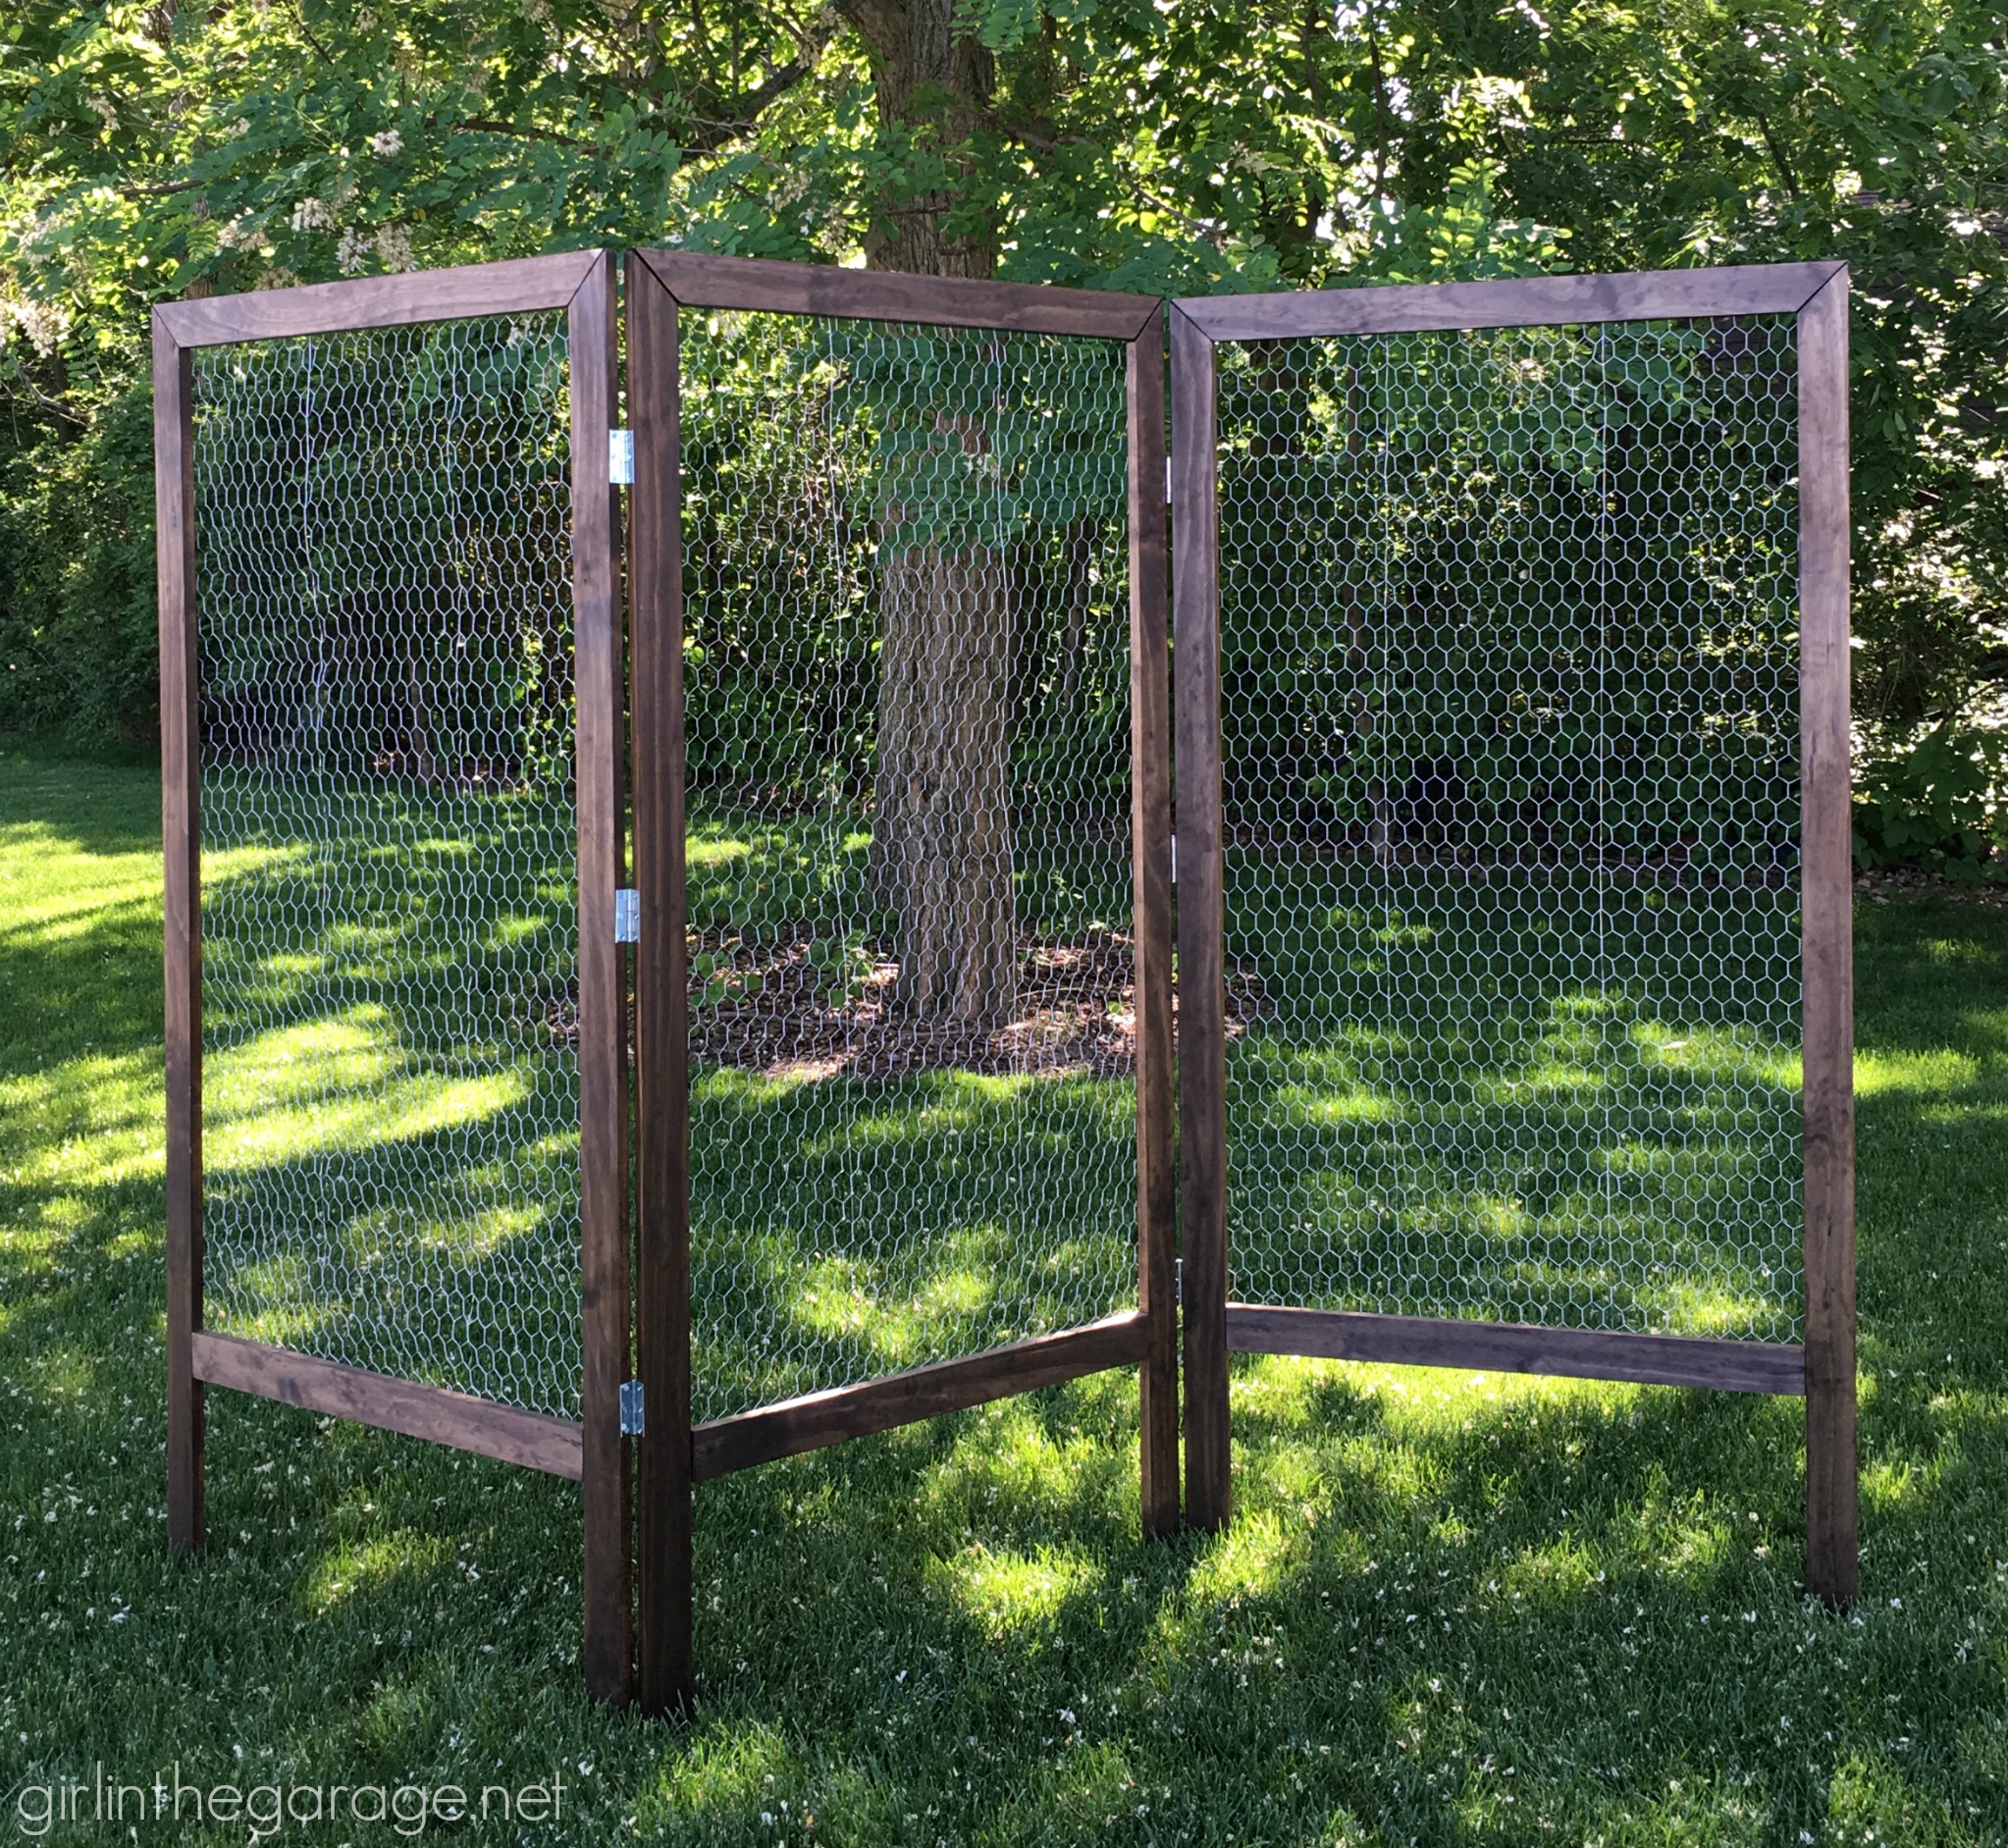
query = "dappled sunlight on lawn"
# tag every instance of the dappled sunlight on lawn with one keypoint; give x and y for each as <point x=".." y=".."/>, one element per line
<point x="1010" y="1596"/>
<point x="1453" y="1606"/>
<point x="371" y="1566"/>
<point x="844" y="1227"/>
<point x="338" y="1082"/>
<point x="1918" y="1073"/>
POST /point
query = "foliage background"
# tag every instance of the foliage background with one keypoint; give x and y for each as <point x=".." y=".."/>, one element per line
<point x="1192" y="145"/>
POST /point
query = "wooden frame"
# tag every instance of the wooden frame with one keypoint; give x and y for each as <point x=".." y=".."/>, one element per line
<point x="816" y="1420"/>
<point x="582" y="284"/>
<point x="1823" y="1369"/>
<point x="455" y="1419"/>
<point x="674" y="1456"/>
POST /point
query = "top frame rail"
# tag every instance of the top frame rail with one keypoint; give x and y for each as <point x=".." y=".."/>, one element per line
<point x="520" y="286"/>
<point x="1518" y="301"/>
<point x="760" y="283"/>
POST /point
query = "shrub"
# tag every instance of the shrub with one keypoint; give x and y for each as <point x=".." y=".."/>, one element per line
<point x="78" y="654"/>
<point x="1938" y="804"/>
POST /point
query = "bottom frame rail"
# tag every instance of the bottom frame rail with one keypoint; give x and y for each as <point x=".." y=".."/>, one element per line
<point x="432" y="1413"/>
<point x="819" y="1419"/>
<point x="1582" y="1354"/>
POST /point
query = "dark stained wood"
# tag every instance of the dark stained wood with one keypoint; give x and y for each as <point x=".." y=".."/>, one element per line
<point x="603" y="1035"/>
<point x="820" y="1419"/>
<point x="1202" y="1001"/>
<point x="1579" y="1353"/>
<point x="516" y="287"/>
<point x="1157" y="1205"/>
<point x="662" y="1028"/>
<point x="1832" y="1517"/>
<point x="182" y="848"/>
<point x="431" y="1412"/>
<point x="754" y="282"/>
<point x="1522" y="301"/>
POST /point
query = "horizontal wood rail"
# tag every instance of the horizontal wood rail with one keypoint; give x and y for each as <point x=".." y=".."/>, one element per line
<point x="431" y="1412"/>
<point x="819" y="1419"/>
<point x="1523" y="301"/>
<point x="521" y="286"/>
<point x="1579" y="1353"/>
<point x="761" y="284"/>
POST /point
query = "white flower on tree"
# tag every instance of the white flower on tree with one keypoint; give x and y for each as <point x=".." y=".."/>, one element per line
<point x="394" y="247"/>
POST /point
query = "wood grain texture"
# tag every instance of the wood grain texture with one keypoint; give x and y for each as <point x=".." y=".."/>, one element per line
<point x="181" y="742"/>
<point x="602" y="1031"/>
<point x="431" y="1412"/>
<point x="754" y="282"/>
<point x="1832" y="1518"/>
<point x="1157" y="1205"/>
<point x="1202" y="1001"/>
<point x="516" y="287"/>
<point x="820" y="1419"/>
<point x="662" y="1525"/>
<point x="1521" y="302"/>
<point x="1579" y="1353"/>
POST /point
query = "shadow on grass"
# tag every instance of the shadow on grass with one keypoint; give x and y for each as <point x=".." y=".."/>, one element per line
<point x="1438" y="1594"/>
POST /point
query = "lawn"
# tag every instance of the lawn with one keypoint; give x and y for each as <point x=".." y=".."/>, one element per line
<point x="1452" y="1609"/>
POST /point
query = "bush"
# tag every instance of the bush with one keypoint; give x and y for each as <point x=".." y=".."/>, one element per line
<point x="1939" y="805"/>
<point x="78" y="654"/>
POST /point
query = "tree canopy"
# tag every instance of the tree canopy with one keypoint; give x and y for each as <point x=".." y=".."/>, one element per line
<point x="1161" y="145"/>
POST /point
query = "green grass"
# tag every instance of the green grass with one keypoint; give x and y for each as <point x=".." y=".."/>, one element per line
<point x="390" y="1115"/>
<point x="1451" y="1608"/>
<point x="1523" y="1095"/>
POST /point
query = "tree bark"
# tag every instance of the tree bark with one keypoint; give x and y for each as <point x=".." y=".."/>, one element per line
<point x="943" y="820"/>
<point x="932" y="84"/>
<point x="941" y="850"/>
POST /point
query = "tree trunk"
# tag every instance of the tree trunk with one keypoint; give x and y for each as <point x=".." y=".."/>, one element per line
<point x="942" y="826"/>
<point x="942" y="848"/>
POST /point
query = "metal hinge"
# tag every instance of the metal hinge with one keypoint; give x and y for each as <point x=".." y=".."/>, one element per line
<point x="620" y="458"/>
<point x="627" y="916"/>
<point x="1174" y="860"/>
<point x="1178" y="1281"/>
<point x="1167" y="480"/>
<point x="631" y="1421"/>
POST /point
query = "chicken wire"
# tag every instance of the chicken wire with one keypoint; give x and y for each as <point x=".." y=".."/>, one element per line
<point x="907" y="736"/>
<point x="391" y="1111"/>
<point x="1509" y="771"/>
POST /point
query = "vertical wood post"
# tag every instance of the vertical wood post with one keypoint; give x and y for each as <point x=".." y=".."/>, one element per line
<point x="1151" y="931"/>
<point x="181" y="845"/>
<point x="1833" y="1529"/>
<point x="1202" y="1024"/>
<point x="603" y="1036"/>
<point x="662" y="1533"/>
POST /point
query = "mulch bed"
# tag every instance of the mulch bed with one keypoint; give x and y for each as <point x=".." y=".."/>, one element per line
<point x="764" y="1006"/>
<point x="1075" y="1018"/>
<point x="1883" y="883"/>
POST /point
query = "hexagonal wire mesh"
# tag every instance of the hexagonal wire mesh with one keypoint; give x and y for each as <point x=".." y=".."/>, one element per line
<point x="390" y="845"/>
<point x="1510" y="808"/>
<point x="908" y="784"/>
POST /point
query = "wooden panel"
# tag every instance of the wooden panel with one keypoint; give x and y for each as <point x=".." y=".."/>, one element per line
<point x="182" y="850"/>
<point x="1157" y="1207"/>
<point x="1832" y="1518"/>
<point x="431" y="1412"/>
<point x="1526" y="302"/>
<point x="662" y="1025"/>
<point x="1201" y="1000"/>
<point x="1581" y="1353"/>
<point x="512" y="287"/>
<point x="820" y="1419"/>
<point x="603" y="1033"/>
<point x="750" y="282"/>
